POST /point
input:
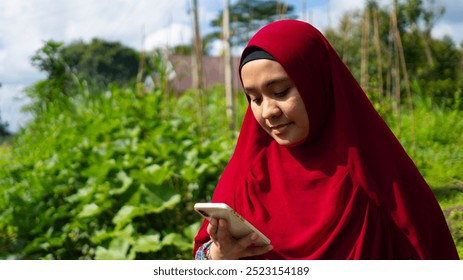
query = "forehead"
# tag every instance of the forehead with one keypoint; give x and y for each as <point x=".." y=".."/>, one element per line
<point x="259" y="72"/>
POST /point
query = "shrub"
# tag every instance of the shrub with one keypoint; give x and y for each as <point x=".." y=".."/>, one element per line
<point x="110" y="176"/>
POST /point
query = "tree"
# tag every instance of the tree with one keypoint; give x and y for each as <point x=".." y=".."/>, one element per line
<point x="4" y="128"/>
<point x="433" y="66"/>
<point x="442" y="80"/>
<point x="97" y="63"/>
<point x="237" y="24"/>
<point x="102" y="62"/>
<point x="434" y="63"/>
<point x="417" y="14"/>
<point x="49" y="59"/>
<point x="247" y="16"/>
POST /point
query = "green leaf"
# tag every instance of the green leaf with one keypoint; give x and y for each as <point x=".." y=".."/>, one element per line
<point x="177" y="240"/>
<point x="148" y="243"/>
<point x="82" y="194"/>
<point x="117" y="250"/>
<point x="157" y="205"/>
<point x="126" y="182"/>
<point x="99" y="170"/>
<point x="126" y="214"/>
<point x="89" y="210"/>
<point x="191" y="230"/>
<point x="153" y="174"/>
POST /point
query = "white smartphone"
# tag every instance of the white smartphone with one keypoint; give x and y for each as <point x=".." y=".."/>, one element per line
<point x="239" y="227"/>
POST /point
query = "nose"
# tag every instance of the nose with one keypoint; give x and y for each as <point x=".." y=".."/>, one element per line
<point x="270" y="109"/>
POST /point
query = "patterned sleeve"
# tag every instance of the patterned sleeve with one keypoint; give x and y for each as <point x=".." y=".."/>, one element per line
<point x="204" y="252"/>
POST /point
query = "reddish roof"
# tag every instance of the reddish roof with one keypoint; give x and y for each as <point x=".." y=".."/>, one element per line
<point x="213" y="72"/>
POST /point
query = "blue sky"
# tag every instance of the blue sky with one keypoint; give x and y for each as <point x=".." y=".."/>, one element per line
<point x="26" y="24"/>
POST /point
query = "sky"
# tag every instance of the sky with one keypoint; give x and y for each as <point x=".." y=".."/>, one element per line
<point x="26" y="24"/>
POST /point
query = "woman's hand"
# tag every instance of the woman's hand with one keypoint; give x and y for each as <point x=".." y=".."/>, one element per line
<point x="226" y="247"/>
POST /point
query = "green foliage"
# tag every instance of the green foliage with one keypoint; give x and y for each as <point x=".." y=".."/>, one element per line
<point x="96" y="65"/>
<point x="247" y="16"/>
<point x="433" y="64"/>
<point x="454" y="216"/>
<point x="114" y="175"/>
<point x="110" y="175"/>
<point x="102" y="62"/>
<point x="103" y="172"/>
<point x="3" y="129"/>
<point x="438" y="154"/>
<point x="443" y="80"/>
<point x="438" y="151"/>
<point x="48" y="59"/>
<point x="59" y="79"/>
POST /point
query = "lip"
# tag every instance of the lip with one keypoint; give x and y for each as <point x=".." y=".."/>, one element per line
<point x="280" y="127"/>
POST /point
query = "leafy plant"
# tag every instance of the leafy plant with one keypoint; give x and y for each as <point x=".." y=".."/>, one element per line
<point x="109" y="176"/>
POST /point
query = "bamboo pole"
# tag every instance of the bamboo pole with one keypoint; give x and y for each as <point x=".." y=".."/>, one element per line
<point x="389" y="64"/>
<point x="345" y="39"/>
<point x="282" y="8"/>
<point x="379" y="62"/>
<point x="401" y="56"/>
<point x="427" y="49"/>
<point x="364" y="50"/>
<point x="396" y="68"/>
<point x="197" y="74"/>
<point x="228" y="67"/>
<point x="141" y="64"/>
<point x="198" y="48"/>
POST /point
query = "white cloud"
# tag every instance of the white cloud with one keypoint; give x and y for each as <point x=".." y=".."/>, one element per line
<point x="329" y="12"/>
<point x="19" y="41"/>
<point x="453" y="30"/>
<point x="25" y="24"/>
<point x="173" y="35"/>
<point x="11" y="101"/>
<point x="451" y="23"/>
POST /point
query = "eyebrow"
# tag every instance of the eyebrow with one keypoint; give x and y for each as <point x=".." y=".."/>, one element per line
<point x="269" y="83"/>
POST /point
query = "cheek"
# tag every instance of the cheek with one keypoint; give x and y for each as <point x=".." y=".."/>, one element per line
<point x="303" y="119"/>
<point x="296" y="111"/>
<point x="257" y="112"/>
<point x="292" y="110"/>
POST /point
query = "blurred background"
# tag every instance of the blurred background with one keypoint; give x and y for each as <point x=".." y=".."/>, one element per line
<point x="117" y="116"/>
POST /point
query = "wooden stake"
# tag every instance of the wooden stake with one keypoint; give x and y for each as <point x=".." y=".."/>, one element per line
<point x="228" y="67"/>
<point x="379" y="62"/>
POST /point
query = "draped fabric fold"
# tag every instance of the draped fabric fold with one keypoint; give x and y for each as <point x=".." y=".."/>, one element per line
<point x="349" y="191"/>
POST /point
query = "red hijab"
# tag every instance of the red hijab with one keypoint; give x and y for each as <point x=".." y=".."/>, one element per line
<point x="349" y="191"/>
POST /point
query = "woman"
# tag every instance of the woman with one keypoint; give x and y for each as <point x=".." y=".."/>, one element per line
<point x="315" y="168"/>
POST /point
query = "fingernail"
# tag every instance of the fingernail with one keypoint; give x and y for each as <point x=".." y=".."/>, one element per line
<point x="270" y="248"/>
<point x="254" y="236"/>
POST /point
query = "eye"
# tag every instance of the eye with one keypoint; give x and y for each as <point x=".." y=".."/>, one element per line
<point x="256" y="100"/>
<point x="282" y="93"/>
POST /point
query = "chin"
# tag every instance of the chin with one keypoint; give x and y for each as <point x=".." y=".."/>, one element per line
<point x="289" y="142"/>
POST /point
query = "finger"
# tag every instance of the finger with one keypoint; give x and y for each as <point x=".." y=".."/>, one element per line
<point x="248" y="240"/>
<point x="212" y="226"/>
<point x="258" y="250"/>
<point x="222" y="231"/>
<point x="212" y="229"/>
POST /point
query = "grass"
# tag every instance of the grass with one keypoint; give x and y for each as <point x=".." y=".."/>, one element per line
<point x="434" y="142"/>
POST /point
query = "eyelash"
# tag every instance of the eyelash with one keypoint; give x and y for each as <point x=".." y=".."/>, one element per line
<point x="256" y="100"/>
<point x="281" y="93"/>
<point x="276" y="94"/>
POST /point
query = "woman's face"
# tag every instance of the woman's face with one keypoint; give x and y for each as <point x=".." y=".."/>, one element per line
<point x="275" y="101"/>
